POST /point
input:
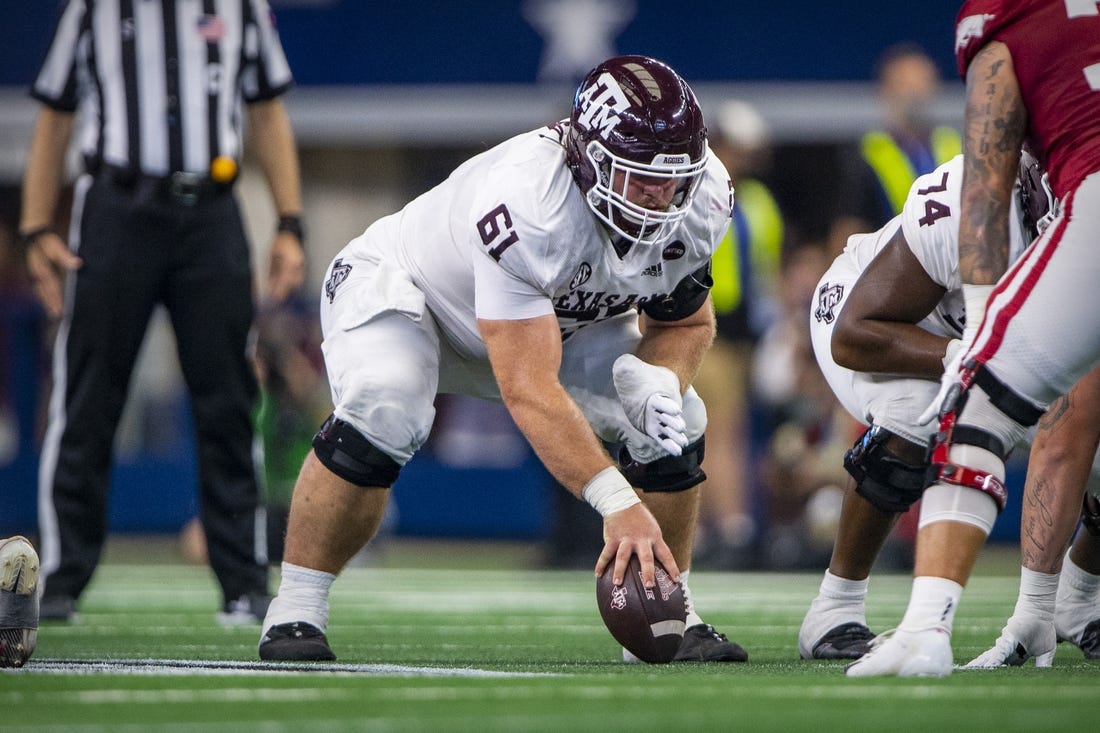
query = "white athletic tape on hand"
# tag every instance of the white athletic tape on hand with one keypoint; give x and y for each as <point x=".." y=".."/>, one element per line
<point x="609" y="492"/>
<point x="975" y="297"/>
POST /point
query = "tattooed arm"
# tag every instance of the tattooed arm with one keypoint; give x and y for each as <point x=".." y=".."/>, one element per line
<point x="995" y="122"/>
<point x="1061" y="459"/>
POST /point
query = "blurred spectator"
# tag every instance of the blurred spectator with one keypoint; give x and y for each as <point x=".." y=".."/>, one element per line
<point x="14" y="292"/>
<point x="875" y="176"/>
<point x="802" y="470"/>
<point x="745" y="269"/>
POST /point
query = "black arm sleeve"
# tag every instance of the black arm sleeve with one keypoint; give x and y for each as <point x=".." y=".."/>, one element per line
<point x="686" y="298"/>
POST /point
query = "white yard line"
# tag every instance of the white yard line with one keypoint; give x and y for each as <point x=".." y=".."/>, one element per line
<point x="190" y="667"/>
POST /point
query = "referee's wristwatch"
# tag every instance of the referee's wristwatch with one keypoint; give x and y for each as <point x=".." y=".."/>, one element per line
<point x="291" y="224"/>
<point x="27" y="237"/>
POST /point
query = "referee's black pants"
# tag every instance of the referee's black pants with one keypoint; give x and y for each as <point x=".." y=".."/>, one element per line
<point x="140" y="247"/>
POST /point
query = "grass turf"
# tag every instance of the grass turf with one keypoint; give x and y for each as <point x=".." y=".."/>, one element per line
<point x="448" y="645"/>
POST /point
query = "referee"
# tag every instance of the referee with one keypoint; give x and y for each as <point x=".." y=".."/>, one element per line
<point x="154" y="90"/>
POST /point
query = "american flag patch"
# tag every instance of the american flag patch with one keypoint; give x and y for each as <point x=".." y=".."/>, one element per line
<point x="211" y="28"/>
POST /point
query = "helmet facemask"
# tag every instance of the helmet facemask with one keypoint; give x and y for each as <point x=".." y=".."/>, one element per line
<point x="609" y="196"/>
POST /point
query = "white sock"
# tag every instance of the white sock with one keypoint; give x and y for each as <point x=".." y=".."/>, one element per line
<point x="303" y="596"/>
<point x="1077" y="603"/>
<point x="843" y="590"/>
<point x="1077" y="584"/>
<point x="693" y="618"/>
<point x="836" y="597"/>
<point x="932" y="604"/>
<point x="839" y="601"/>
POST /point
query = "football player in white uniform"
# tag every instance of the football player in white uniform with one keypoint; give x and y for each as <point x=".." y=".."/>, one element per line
<point x="565" y="272"/>
<point x="889" y="313"/>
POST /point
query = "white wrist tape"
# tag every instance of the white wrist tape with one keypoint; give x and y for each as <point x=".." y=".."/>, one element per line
<point x="609" y="492"/>
<point x="975" y="298"/>
<point x="1038" y="592"/>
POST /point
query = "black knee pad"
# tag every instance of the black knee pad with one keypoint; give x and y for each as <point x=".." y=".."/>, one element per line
<point x="343" y="450"/>
<point x="671" y="473"/>
<point x="888" y="482"/>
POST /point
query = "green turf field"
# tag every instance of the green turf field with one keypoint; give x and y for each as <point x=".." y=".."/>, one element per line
<point x="507" y="649"/>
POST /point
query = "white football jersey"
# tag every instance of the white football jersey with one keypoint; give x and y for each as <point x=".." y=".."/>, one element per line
<point x="930" y="223"/>
<point x="509" y="236"/>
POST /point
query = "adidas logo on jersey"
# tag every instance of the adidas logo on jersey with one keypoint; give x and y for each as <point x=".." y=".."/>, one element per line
<point x="653" y="270"/>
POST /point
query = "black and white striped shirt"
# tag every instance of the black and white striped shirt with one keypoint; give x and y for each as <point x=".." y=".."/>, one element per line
<point x="159" y="84"/>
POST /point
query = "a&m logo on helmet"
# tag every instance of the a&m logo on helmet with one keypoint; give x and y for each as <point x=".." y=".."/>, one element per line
<point x="600" y="104"/>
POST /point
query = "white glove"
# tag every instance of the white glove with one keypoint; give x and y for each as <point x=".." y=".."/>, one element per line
<point x="1023" y="637"/>
<point x="954" y="349"/>
<point x="650" y="396"/>
<point x="1030" y="630"/>
<point x="952" y="361"/>
<point x="975" y="297"/>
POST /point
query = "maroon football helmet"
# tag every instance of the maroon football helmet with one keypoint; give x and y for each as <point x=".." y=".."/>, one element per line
<point x="635" y="116"/>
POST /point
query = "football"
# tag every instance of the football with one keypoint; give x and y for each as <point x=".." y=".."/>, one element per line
<point x="649" y="623"/>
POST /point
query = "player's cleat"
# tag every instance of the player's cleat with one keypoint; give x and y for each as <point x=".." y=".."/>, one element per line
<point x="703" y="643"/>
<point x="295" y="642"/>
<point x="1090" y="640"/>
<point x="924" y="653"/>
<point x="847" y="641"/>
<point x="18" y="601"/>
<point x="58" y="608"/>
<point x="247" y="610"/>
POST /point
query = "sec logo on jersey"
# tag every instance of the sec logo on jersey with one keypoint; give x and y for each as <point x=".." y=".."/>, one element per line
<point x="583" y="273"/>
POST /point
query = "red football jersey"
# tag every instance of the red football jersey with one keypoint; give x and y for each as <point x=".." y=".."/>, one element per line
<point x="1055" y="47"/>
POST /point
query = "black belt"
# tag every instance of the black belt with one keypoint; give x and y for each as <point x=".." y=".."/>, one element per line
<point x="181" y="187"/>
